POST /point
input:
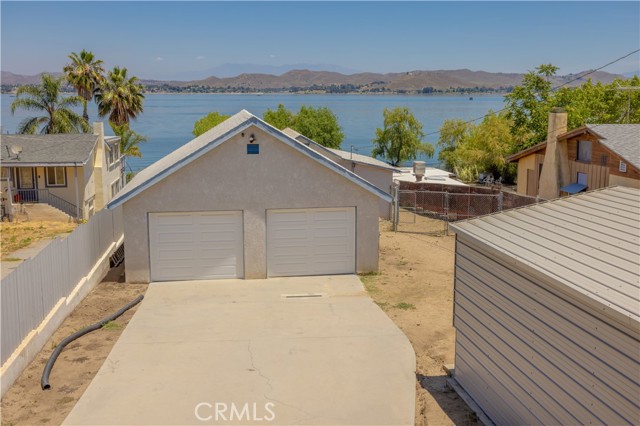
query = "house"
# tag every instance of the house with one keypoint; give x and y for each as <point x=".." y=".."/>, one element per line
<point x="546" y="310"/>
<point x="245" y="200"/>
<point x="371" y="169"/>
<point x="76" y="173"/>
<point x="589" y="157"/>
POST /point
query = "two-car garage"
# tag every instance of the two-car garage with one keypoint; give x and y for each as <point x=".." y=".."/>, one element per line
<point x="244" y="200"/>
<point x="210" y="245"/>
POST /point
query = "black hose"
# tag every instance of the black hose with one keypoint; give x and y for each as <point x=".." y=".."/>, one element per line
<point x="44" y="382"/>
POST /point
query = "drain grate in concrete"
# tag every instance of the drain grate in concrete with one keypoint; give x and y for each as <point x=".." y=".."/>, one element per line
<point x="302" y="296"/>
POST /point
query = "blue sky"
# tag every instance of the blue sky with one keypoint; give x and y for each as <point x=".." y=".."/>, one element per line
<point x="161" y="39"/>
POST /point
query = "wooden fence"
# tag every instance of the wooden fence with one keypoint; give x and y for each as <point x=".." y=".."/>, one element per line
<point x="36" y="286"/>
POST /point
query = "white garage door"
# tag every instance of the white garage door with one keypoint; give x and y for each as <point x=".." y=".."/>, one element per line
<point x="196" y="245"/>
<point x="311" y="242"/>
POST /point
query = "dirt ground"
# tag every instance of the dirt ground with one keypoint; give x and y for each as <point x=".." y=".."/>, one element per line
<point x="25" y="403"/>
<point x="415" y="288"/>
<point x="17" y="235"/>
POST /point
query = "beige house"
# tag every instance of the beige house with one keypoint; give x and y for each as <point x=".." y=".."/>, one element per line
<point x="371" y="169"/>
<point x="245" y="200"/>
<point x="546" y="311"/>
<point x="590" y="157"/>
<point x="76" y="173"/>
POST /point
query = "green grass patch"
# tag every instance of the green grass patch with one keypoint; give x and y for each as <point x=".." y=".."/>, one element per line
<point x="112" y="326"/>
<point x="12" y="259"/>
<point x="383" y="305"/>
<point x="369" y="281"/>
<point x="404" y="306"/>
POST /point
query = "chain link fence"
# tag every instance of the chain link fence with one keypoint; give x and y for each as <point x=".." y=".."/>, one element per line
<point x="430" y="211"/>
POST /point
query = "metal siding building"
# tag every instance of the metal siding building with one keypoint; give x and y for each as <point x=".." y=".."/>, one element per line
<point x="547" y="311"/>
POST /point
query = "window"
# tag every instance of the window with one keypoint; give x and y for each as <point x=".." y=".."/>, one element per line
<point x="623" y="167"/>
<point x="115" y="188"/>
<point x="604" y="160"/>
<point x="56" y="176"/>
<point x="584" y="151"/>
<point x="113" y="154"/>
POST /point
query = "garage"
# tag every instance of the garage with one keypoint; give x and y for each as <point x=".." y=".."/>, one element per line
<point x="196" y="245"/>
<point x="245" y="200"/>
<point x="311" y="241"/>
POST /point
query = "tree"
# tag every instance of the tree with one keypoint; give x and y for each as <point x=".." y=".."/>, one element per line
<point x="46" y="97"/>
<point x="401" y="137"/>
<point x="528" y="105"/>
<point x="452" y="133"/>
<point x="85" y="73"/>
<point x="281" y="118"/>
<point x="119" y="97"/>
<point x="318" y="124"/>
<point x="207" y="122"/>
<point x="129" y="141"/>
<point x="474" y="148"/>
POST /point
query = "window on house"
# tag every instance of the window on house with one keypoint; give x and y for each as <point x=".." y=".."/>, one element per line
<point x="584" y="151"/>
<point x="115" y="188"/>
<point x="56" y="176"/>
<point x="623" y="167"/>
<point x="604" y="160"/>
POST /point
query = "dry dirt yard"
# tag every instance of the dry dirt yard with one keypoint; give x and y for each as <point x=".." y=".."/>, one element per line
<point x="25" y="403"/>
<point x="415" y="288"/>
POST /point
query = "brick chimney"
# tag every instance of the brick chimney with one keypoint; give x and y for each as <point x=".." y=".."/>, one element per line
<point x="555" y="168"/>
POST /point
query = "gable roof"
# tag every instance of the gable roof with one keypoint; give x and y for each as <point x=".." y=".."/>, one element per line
<point x="623" y="139"/>
<point x="338" y="153"/>
<point x="588" y="243"/>
<point x="215" y="137"/>
<point x="619" y="138"/>
<point x="48" y="150"/>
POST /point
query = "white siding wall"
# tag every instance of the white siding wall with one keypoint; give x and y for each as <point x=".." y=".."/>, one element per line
<point x="529" y="354"/>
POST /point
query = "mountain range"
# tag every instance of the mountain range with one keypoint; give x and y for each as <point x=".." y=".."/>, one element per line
<point x="310" y="80"/>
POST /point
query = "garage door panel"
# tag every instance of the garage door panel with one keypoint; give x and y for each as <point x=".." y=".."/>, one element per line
<point x="196" y="245"/>
<point x="311" y="241"/>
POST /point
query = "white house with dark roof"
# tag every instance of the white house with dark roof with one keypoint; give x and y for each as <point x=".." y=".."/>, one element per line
<point x="76" y="173"/>
<point x="246" y="200"/>
<point x="371" y="169"/>
<point x="589" y="157"/>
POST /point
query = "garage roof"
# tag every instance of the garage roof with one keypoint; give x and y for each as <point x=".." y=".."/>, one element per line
<point x="588" y="245"/>
<point x="213" y="138"/>
<point x="338" y="153"/>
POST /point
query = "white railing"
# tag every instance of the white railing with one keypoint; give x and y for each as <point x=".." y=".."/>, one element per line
<point x="34" y="289"/>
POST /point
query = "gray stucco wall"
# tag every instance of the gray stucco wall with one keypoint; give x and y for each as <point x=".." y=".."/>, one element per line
<point x="381" y="178"/>
<point x="229" y="179"/>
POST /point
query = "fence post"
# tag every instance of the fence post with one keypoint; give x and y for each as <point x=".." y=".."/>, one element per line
<point x="396" y="208"/>
<point x="446" y="204"/>
<point x="500" y="196"/>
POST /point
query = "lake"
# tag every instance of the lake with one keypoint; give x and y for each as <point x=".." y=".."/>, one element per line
<point x="168" y="119"/>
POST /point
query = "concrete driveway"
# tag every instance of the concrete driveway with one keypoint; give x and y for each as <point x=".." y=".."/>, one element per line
<point x="282" y="351"/>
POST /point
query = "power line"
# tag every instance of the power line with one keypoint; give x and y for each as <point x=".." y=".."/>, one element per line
<point x="553" y="89"/>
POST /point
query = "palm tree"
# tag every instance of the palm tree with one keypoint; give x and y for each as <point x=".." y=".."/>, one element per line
<point x="129" y="141"/>
<point x="46" y="97"/>
<point x="119" y="97"/>
<point x="85" y="74"/>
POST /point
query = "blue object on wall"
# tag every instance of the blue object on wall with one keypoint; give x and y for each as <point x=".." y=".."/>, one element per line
<point x="253" y="148"/>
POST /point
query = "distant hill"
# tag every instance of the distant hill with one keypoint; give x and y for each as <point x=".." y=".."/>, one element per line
<point x="11" y="79"/>
<point x="232" y="70"/>
<point x="304" y="80"/>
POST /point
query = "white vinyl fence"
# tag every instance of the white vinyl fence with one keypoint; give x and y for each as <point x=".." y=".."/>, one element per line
<point x="36" y="286"/>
